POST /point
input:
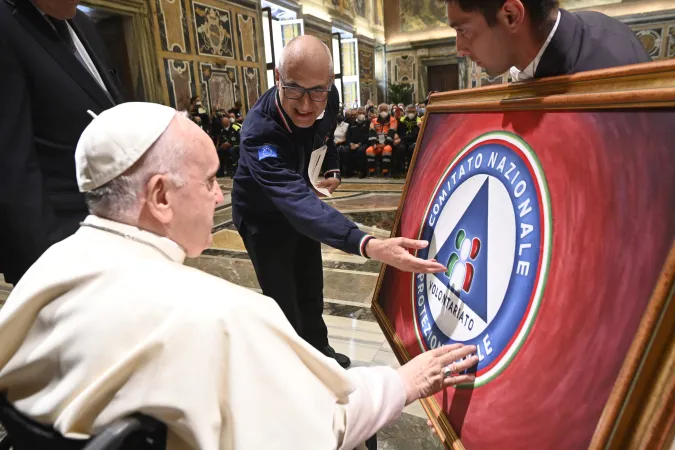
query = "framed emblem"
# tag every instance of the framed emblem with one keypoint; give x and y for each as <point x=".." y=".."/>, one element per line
<point x="552" y="206"/>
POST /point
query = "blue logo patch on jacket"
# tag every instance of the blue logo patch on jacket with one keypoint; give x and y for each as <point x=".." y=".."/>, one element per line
<point x="267" y="151"/>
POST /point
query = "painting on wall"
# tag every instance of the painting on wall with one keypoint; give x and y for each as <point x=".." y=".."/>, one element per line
<point x="366" y="64"/>
<point x="213" y="29"/>
<point x="503" y="194"/>
<point x="361" y="8"/>
<point x="251" y="86"/>
<point x="220" y="86"/>
<point x="378" y="12"/>
<point x="671" y="41"/>
<point x="173" y="29"/>
<point x="248" y="38"/>
<point x="344" y="6"/>
<point x="417" y="15"/>
<point x="367" y="92"/>
<point x="180" y="83"/>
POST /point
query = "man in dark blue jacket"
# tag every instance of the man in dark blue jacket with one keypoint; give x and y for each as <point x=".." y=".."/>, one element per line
<point x="275" y="208"/>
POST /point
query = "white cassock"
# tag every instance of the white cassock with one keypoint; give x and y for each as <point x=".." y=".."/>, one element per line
<point x="103" y="326"/>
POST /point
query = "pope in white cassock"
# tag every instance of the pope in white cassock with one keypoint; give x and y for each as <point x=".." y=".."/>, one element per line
<point x="110" y="322"/>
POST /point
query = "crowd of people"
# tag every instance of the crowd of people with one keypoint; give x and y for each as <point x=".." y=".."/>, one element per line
<point x="371" y="140"/>
<point x="223" y="127"/>
<point x="378" y="140"/>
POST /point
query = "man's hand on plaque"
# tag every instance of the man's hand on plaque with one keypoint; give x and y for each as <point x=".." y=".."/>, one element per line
<point x="433" y="371"/>
<point x="395" y="252"/>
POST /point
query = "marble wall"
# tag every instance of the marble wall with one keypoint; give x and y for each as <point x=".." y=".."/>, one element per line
<point x="321" y="29"/>
<point x="402" y="67"/>
<point x="367" y="72"/>
<point x="658" y="38"/>
<point x="413" y="19"/>
<point x="210" y="48"/>
<point x="410" y="66"/>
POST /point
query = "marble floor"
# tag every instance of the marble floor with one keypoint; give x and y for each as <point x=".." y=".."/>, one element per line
<point x="349" y="286"/>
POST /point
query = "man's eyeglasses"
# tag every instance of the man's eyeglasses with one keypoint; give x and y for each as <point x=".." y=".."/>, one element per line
<point x="297" y="92"/>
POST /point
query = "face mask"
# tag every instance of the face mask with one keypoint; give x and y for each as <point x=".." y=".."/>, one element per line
<point x="232" y="119"/>
<point x="411" y="116"/>
<point x="361" y="117"/>
<point x="384" y="114"/>
<point x="422" y="111"/>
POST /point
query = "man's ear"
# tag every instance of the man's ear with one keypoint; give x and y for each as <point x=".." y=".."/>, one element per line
<point x="511" y="14"/>
<point x="158" y="198"/>
<point x="277" y="77"/>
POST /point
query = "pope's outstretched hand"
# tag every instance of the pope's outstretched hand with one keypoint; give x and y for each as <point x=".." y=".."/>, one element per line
<point x="437" y="369"/>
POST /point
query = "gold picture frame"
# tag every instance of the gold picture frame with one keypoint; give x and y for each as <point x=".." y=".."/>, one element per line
<point x="639" y="412"/>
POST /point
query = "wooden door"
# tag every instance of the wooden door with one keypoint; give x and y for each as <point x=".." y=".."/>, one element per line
<point x="443" y="78"/>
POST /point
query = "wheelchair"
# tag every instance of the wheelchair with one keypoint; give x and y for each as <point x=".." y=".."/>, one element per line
<point x="134" y="432"/>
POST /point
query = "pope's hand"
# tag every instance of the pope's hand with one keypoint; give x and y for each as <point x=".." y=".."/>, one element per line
<point x="331" y="184"/>
<point x="425" y="374"/>
<point x="394" y="252"/>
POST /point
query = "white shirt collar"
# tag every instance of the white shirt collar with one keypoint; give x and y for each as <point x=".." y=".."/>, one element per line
<point x="531" y="69"/>
<point x="162" y="245"/>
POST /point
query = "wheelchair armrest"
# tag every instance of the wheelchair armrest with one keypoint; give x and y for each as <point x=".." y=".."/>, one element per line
<point x="115" y="434"/>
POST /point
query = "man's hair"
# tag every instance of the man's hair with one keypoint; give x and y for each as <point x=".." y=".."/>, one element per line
<point x="537" y="10"/>
<point x="119" y="199"/>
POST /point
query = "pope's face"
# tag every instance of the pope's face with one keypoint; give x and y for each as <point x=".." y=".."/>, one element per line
<point x="195" y="202"/>
<point x="304" y="111"/>
<point x="58" y="9"/>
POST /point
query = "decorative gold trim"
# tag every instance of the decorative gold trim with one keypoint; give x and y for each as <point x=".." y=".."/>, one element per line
<point x="158" y="59"/>
<point x="208" y="59"/>
<point x="639" y="413"/>
<point x="647" y="85"/>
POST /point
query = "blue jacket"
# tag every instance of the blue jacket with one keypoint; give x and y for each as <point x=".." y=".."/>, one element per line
<point x="271" y="185"/>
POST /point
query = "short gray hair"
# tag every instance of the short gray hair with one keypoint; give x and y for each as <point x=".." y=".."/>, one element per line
<point x="119" y="199"/>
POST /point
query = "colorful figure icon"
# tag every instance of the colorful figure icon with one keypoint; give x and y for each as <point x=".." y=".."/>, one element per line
<point x="460" y="270"/>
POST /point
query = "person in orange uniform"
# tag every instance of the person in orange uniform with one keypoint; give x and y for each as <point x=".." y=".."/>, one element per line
<point x="382" y="138"/>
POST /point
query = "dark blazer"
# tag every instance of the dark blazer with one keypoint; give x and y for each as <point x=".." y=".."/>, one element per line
<point x="589" y="40"/>
<point x="271" y="187"/>
<point x="45" y="94"/>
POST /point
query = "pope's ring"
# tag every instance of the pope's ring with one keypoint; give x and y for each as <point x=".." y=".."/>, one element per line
<point x="448" y="371"/>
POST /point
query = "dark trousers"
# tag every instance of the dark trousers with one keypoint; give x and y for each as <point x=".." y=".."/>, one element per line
<point x="351" y="160"/>
<point x="228" y="160"/>
<point x="290" y="270"/>
<point x="361" y="159"/>
<point x="399" y="156"/>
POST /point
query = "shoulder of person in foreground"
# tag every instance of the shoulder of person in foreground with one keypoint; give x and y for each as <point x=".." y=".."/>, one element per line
<point x="615" y="41"/>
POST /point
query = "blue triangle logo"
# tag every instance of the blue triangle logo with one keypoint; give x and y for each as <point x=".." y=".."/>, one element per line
<point x="465" y="255"/>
